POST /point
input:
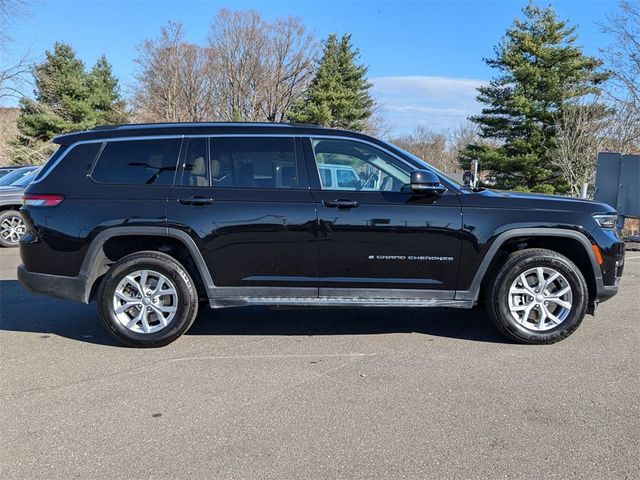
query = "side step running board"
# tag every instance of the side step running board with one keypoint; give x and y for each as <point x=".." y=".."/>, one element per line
<point x="340" y="301"/>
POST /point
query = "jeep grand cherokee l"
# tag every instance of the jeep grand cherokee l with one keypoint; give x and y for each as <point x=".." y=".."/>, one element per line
<point x="151" y="220"/>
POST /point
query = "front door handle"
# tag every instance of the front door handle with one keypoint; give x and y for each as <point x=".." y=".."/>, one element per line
<point x="196" y="201"/>
<point x="341" y="203"/>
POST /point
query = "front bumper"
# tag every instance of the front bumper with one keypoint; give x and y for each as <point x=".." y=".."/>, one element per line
<point x="56" y="286"/>
<point x="605" y="292"/>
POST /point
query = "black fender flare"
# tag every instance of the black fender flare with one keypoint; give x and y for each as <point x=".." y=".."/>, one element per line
<point x="93" y="264"/>
<point x="474" y="289"/>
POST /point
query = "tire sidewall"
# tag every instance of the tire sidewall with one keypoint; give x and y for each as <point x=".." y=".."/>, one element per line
<point x="578" y="307"/>
<point x="185" y="289"/>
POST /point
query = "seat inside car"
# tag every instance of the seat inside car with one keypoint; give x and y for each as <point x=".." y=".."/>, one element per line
<point x="198" y="174"/>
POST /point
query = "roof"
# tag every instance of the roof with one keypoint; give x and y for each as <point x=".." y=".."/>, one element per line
<point x="159" y="129"/>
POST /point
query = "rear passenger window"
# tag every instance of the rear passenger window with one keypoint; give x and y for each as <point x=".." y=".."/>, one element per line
<point x="246" y="162"/>
<point x="196" y="171"/>
<point x="138" y="162"/>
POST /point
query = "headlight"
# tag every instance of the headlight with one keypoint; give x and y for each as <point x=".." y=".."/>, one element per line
<point x="609" y="220"/>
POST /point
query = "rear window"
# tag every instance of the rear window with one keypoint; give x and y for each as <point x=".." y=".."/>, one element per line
<point x="138" y="162"/>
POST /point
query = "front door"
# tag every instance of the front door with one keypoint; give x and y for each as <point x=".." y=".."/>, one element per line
<point x="373" y="231"/>
<point x="246" y="203"/>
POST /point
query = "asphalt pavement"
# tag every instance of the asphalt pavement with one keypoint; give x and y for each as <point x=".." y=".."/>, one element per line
<point x="254" y="393"/>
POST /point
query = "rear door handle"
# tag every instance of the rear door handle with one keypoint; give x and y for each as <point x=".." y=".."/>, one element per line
<point x="196" y="201"/>
<point x="341" y="203"/>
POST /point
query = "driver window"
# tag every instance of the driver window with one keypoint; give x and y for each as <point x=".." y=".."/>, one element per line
<point x="350" y="165"/>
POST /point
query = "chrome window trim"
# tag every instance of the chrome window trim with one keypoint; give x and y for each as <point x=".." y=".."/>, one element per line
<point x="214" y="135"/>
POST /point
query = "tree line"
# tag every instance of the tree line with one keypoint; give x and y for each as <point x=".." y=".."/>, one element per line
<point x="546" y="113"/>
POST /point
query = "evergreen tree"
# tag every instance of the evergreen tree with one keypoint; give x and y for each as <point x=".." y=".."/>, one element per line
<point x="541" y="70"/>
<point x="67" y="98"/>
<point x="106" y="100"/>
<point x="338" y="96"/>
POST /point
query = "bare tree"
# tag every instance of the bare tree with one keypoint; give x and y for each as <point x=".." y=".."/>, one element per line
<point x="10" y="10"/>
<point x="264" y="66"/>
<point x="12" y="77"/>
<point x="251" y="70"/>
<point x="623" y="60"/>
<point x="239" y="41"/>
<point x="378" y="123"/>
<point x="580" y="135"/>
<point x="176" y="81"/>
<point x="289" y="66"/>
<point x="461" y="137"/>
<point x="428" y="145"/>
<point x="622" y="130"/>
<point x="623" y="55"/>
<point x="13" y="69"/>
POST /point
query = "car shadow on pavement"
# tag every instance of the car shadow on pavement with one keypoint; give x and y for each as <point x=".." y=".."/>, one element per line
<point x="316" y="321"/>
<point x="21" y="311"/>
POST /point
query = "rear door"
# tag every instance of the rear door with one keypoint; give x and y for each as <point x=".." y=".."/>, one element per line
<point x="245" y="200"/>
<point x="376" y="233"/>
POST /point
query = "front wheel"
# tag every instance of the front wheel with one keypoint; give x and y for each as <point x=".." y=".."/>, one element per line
<point x="538" y="296"/>
<point x="147" y="299"/>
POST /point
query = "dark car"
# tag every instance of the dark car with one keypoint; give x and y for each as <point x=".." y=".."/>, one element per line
<point x="151" y="219"/>
<point x="11" y="189"/>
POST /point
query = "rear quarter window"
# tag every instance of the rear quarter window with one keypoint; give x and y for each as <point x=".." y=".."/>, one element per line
<point x="138" y="162"/>
<point x="51" y="162"/>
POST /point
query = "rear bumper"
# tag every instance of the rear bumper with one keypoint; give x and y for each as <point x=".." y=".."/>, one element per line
<point x="56" y="286"/>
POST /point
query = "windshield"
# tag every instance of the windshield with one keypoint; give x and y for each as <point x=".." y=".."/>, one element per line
<point x="14" y="176"/>
<point x="26" y="179"/>
<point x="431" y="167"/>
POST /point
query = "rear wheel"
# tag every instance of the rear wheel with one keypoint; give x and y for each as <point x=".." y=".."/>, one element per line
<point x="147" y="299"/>
<point x="538" y="296"/>
<point x="12" y="228"/>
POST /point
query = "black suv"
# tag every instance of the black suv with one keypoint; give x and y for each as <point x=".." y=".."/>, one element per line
<point x="151" y="220"/>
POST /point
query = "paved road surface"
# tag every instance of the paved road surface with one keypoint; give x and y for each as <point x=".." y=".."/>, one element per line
<point x="317" y="393"/>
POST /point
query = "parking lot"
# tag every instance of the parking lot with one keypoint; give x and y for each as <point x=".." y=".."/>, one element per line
<point x="317" y="393"/>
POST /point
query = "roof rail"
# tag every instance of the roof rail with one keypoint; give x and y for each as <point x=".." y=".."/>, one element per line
<point x="161" y="124"/>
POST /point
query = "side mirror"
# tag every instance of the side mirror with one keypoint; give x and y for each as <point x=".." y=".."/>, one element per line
<point x="426" y="182"/>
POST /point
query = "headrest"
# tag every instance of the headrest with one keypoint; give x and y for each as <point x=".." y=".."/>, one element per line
<point x="215" y="168"/>
<point x="199" y="167"/>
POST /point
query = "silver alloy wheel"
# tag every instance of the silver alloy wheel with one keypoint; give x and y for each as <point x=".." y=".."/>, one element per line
<point x="145" y="301"/>
<point x="12" y="228"/>
<point x="540" y="299"/>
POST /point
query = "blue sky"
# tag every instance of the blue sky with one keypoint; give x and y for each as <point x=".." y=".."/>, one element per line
<point x="424" y="57"/>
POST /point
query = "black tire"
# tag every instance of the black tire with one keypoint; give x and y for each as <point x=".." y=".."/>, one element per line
<point x="187" y="299"/>
<point x="497" y="296"/>
<point x="7" y="216"/>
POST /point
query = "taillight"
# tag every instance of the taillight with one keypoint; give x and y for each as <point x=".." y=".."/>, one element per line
<point x="42" y="200"/>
